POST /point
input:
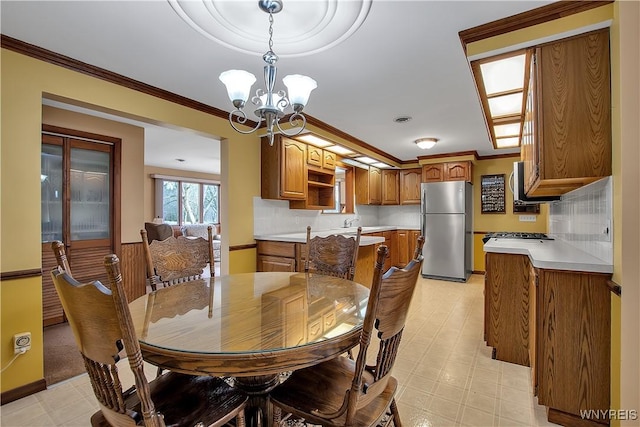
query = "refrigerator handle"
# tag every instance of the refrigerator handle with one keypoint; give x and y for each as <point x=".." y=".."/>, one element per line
<point x="423" y="200"/>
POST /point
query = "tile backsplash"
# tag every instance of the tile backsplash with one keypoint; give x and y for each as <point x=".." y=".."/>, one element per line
<point x="583" y="218"/>
<point x="275" y="217"/>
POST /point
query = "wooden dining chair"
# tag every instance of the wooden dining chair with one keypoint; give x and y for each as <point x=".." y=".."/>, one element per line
<point x="177" y="259"/>
<point x="333" y="255"/>
<point x="346" y="392"/>
<point x="61" y="256"/>
<point x="101" y="323"/>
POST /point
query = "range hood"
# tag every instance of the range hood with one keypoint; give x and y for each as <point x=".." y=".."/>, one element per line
<point x="518" y="187"/>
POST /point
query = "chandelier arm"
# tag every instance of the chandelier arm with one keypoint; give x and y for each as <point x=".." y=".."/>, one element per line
<point x="241" y="118"/>
<point x="293" y="119"/>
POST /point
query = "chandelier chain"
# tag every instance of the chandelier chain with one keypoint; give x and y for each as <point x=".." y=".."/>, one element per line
<point x="271" y="31"/>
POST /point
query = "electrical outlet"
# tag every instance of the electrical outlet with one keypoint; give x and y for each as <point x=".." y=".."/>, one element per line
<point x="21" y="342"/>
<point x="527" y="218"/>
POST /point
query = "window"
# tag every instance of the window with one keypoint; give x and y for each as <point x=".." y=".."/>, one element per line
<point x="339" y="193"/>
<point x="186" y="201"/>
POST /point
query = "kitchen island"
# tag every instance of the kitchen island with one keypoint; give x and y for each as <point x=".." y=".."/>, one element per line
<point x="286" y="251"/>
<point x="547" y="306"/>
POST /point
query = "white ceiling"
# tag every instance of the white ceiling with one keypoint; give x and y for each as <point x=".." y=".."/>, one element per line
<point x="405" y="59"/>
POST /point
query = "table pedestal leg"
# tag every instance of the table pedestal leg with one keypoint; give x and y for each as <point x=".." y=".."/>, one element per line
<point x="257" y="411"/>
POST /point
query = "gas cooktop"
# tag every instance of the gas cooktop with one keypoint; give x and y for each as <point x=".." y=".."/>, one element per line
<point x="515" y="235"/>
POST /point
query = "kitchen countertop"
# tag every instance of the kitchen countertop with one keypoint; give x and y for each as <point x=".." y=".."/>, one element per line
<point x="550" y="254"/>
<point x="349" y="232"/>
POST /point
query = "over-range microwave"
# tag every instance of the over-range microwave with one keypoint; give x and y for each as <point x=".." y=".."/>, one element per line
<point x="517" y="187"/>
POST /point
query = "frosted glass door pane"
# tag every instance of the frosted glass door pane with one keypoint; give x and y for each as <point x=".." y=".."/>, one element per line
<point x="51" y="192"/>
<point x="89" y="194"/>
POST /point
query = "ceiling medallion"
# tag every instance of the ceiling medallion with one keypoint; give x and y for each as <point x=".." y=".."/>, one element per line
<point x="304" y="27"/>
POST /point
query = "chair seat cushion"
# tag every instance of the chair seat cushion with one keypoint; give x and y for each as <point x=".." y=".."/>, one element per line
<point x="186" y="400"/>
<point x="323" y="387"/>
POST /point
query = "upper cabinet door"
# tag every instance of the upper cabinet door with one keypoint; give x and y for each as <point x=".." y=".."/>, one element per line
<point x="375" y="186"/>
<point x="457" y="171"/>
<point x="314" y="156"/>
<point x="293" y="171"/>
<point x="410" y="180"/>
<point x="433" y="172"/>
<point x="390" y="184"/>
<point x="329" y="160"/>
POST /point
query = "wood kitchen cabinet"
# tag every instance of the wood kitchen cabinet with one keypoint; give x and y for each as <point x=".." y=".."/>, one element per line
<point x="277" y="256"/>
<point x="433" y="172"/>
<point x="368" y="186"/>
<point x="449" y="171"/>
<point x="283" y="169"/>
<point x="390" y="187"/>
<point x="410" y="180"/>
<point x="572" y="324"/>
<point x="507" y="306"/>
<point x="321" y="158"/>
<point x="403" y="248"/>
<point x="566" y="139"/>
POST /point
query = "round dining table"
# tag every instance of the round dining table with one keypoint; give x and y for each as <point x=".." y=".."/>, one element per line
<point x="253" y="327"/>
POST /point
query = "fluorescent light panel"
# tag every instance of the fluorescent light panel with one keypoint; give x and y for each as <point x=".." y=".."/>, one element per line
<point x="339" y="149"/>
<point x="314" y="140"/>
<point x="381" y="165"/>
<point x="504" y="74"/>
<point x="365" y="159"/>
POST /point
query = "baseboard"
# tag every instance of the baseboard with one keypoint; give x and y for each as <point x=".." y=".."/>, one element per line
<point x="478" y="272"/>
<point x="22" y="391"/>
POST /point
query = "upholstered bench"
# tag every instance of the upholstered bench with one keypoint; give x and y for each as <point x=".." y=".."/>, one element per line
<point x="200" y="230"/>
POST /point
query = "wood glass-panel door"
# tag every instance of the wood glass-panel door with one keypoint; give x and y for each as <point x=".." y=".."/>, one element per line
<point x="77" y="208"/>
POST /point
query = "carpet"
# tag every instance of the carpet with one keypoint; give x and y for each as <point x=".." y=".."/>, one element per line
<point x="62" y="360"/>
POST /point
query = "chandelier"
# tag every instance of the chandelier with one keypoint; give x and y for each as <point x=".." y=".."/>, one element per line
<point x="270" y="105"/>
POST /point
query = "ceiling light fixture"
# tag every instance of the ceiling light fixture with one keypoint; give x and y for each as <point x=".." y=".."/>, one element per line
<point x="270" y="105"/>
<point x="426" y="143"/>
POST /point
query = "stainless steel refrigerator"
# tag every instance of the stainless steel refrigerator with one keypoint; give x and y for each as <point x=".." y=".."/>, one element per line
<point x="447" y="225"/>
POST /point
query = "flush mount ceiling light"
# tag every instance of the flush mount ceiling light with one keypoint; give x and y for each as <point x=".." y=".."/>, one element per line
<point x="426" y="143"/>
<point x="270" y="106"/>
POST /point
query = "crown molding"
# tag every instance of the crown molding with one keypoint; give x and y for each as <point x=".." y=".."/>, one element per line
<point x="526" y="19"/>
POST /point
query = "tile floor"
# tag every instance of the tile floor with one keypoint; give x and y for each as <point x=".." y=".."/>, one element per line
<point x="445" y="370"/>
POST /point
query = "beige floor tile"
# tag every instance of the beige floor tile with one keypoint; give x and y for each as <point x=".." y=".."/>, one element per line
<point x="515" y="412"/>
<point x="481" y="401"/>
<point x="490" y="376"/>
<point x="476" y="418"/>
<point x="415" y="397"/>
<point x="444" y="408"/>
<point x="449" y="392"/>
<point x="421" y="383"/>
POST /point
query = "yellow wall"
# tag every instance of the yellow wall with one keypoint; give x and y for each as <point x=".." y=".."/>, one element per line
<point x="25" y="81"/>
<point x="508" y="221"/>
<point x="625" y="325"/>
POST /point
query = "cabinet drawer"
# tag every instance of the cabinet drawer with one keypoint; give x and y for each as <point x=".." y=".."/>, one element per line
<point x="283" y="249"/>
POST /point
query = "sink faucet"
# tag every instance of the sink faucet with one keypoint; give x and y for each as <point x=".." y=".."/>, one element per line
<point x="349" y="222"/>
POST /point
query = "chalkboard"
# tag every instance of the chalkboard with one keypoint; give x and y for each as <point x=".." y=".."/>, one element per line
<point x="492" y="194"/>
